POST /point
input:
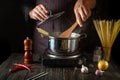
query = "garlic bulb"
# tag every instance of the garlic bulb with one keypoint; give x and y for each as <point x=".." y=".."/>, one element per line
<point x="84" y="69"/>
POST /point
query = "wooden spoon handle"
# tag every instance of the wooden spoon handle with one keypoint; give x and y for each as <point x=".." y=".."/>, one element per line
<point x="67" y="33"/>
<point x="73" y="27"/>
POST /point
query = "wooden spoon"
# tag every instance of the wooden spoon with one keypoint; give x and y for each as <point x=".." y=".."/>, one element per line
<point x="67" y="33"/>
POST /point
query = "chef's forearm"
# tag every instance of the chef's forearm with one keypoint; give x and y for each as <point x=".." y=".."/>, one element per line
<point x="89" y="3"/>
<point x="27" y="6"/>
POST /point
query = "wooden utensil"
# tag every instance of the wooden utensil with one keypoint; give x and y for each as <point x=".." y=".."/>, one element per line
<point x="67" y="33"/>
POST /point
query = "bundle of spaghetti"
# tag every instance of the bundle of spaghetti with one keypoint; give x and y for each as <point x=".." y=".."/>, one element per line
<point x="107" y="31"/>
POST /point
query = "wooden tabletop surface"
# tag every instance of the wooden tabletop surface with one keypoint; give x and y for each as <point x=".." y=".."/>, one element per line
<point x="56" y="73"/>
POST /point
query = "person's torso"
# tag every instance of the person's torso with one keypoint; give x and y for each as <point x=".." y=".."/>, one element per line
<point x="55" y="5"/>
<point x="57" y="25"/>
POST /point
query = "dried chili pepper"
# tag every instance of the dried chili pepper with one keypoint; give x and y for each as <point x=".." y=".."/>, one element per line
<point x="14" y="69"/>
<point x="23" y="66"/>
<point x="18" y="67"/>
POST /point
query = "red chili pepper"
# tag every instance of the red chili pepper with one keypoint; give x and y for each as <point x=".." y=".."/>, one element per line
<point x="23" y="66"/>
<point x="14" y="69"/>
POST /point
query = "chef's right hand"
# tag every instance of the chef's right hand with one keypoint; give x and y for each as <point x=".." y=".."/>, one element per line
<point x="40" y="12"/>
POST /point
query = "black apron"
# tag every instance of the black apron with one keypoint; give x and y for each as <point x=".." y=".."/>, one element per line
<point x="58" y="25"/>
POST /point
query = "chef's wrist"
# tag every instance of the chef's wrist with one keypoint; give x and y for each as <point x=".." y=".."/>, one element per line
<point x="89" y="3"/>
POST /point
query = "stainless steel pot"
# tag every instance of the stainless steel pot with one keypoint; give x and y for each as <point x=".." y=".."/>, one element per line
<point x="65" y="46"/>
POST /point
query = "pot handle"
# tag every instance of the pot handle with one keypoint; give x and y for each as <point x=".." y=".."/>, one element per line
<point x="83" y="35"/>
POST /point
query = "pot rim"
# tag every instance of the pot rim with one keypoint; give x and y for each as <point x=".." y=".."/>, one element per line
<point x="75" y="36"/>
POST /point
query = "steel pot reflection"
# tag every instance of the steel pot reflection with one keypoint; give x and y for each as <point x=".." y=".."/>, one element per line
<point x="65" y="46"/>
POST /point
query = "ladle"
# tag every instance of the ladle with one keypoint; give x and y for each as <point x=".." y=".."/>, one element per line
<point x="67" y="33"/>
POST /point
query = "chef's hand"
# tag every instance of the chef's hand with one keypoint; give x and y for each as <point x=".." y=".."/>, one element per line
<point x="40" y="13"/>
<point x="82" y="10"/>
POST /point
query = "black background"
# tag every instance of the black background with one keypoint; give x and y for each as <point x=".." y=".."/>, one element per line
<point x="13" y="29"/>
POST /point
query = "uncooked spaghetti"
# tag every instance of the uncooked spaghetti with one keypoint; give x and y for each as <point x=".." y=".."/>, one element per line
<point x="107" y="31"/>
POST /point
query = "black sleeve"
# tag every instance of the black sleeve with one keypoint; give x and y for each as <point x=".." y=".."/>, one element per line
<point x="26" y="6"/>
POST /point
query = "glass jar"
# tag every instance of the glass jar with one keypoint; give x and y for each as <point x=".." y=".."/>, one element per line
<point x="97" y="54"/>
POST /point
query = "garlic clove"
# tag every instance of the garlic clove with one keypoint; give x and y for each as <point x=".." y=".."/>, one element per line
<point x="84" y="69"/>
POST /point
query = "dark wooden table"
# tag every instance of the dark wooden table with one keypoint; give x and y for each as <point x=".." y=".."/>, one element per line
<point x="56" y="73"/>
